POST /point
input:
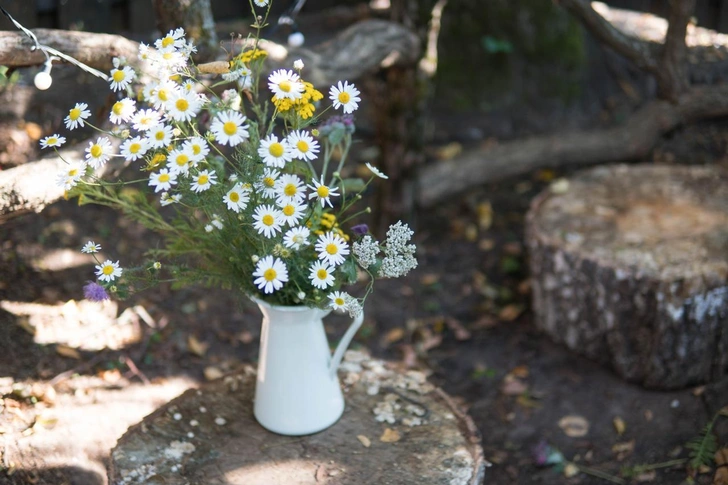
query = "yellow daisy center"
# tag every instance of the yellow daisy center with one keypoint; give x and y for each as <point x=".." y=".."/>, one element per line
<point x="182" y="104"/>
<point x="167" y="41"/>
<point x="164" y="177"/>
<point x="302" y="146"/>
<point x="339" y="301"/>
<point x="275" y="149"/>
<point x="269" y="182"/>
<point x="167" y="56"/>
<point x="73" y="172"/>
<point x="323" y="191"/>
<point x="344" y="97"/>
<point x="134" y="147"/>
<point x="196" y="149"/>
<point x="268" y="220"/>
<point x="230" y="128"/>
<point x="96" y="151"/>
<point x="118" y="76"/>
<point x="289" y="210"/>
<point x="285" y="86"/>
<point x="108" y="269"/>
<point x="74" y="114"/>
<point x="270" y="274"/>
<point x="182" y="160"/>
<point x="159" y="135"/>
<point x="202" y="179"/>
<point x="322" y="274"/>
<point x="332" y="248"/>
<point x="290" y="190"/>
<point x="162" y="94"/>
<point x="117" y="108"/>
<point x="52" y="140"/>
<point x="234" y="196"/>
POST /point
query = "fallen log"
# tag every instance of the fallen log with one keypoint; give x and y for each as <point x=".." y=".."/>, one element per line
<point x="94" y="50"/>
<point x="630" y="141"/>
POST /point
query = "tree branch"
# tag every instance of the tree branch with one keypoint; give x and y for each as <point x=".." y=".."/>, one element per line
<point x="633" y="49"/>
<point x="672" y="75"/>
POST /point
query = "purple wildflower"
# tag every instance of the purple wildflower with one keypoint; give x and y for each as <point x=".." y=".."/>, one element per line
<point x="360" y="229"/>
<point x="95" y="292"/>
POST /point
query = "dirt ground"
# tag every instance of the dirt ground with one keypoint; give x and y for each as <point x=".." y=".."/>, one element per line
<point x="74" y="375"/>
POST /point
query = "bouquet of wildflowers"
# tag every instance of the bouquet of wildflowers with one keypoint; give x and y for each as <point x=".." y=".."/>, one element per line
<point x="245" y="187"/>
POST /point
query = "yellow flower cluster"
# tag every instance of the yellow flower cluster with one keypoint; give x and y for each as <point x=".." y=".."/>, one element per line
<point x="328" y="223"/>
<point x="303" y="106"/>
<point x="249" y="55"/>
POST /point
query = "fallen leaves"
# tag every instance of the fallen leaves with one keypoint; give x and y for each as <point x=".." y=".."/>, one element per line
<point x="574" y="426"/>
<point x="366" y="442"/>
<point x="196" y="347"/>
<point x="619" y="425"/>
<point x="66" y="351"/>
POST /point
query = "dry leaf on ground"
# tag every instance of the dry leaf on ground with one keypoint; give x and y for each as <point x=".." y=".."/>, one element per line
<point x="390" y="436"/>
<point x="196" y="347"/>
<point x="364" y="440"/>
<point x="574" y="426"/>
<point x="67" y="351"/>
<point x="619" y="425"/>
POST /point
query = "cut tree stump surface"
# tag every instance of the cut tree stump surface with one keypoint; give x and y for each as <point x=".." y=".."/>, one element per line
<point x="396" y="429"/>
<point x="630" y="267"/>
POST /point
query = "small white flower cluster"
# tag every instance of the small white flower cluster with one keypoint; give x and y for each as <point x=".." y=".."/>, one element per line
<point x="400" y="256"/>
<point x="366" y="251"/>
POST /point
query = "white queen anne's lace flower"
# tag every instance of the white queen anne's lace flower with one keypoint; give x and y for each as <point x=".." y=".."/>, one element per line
<point x="366" y="251"/>
<point x="399" y="256"/>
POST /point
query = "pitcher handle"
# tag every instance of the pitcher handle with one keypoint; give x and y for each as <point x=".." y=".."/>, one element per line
<point x="344" y="344"/>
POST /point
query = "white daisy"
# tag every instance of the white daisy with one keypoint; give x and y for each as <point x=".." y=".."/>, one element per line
<point x="345" y="96"/>
<point x="303" y="145"/>
<point x="321" y="275"/>
<point x="159" y="94"/>
<point x="134" y="148"/>
<point x="292" y="212"/>
<point x="160" y="135"/>
<point x="268" y="220"/>
<point x="296" y="237"/>
<point x="122" y="78"/>
<point x="229" y="128"/>
<point x="97" y="154"/>
<point x="183" y="106"/>
<point x="76" y="116"/>
<point x="197" y="147"/>
<point x="268" y="183"/>
<point x="91" y="247"/>
<point x="145" y="119"/>
<point x="162" y="180"/>
<point x="338" y="300"/>
<point x="53" y="141"/>
<point x="204" y="180"/>
<point x="216" y="221"/>
<point x="260" y="3"/>
<point x="245" y="81"/>
<point x="275" y="153"/>
<point x="331" y="248"/>
<point x="69" y="177"/>
<point x="237" y="198"/>
<point x="376" y="171"/>
<point x="322" y="192"/>
<point x="285" y="84"/>
<point x="175" y="39"/>
<point x="108" y="271"/>
<point x="270" y="274"/>
<point x="167" y="199"/>
<point x="122" y="111"/>
<point x="178" y="161"/>
<point x="290" y="188"/>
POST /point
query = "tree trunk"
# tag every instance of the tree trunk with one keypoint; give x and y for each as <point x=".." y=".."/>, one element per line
<point x="195" y="16"/>
<point x="630" y="268"/>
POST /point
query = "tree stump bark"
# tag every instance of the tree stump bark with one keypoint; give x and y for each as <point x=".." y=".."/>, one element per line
<point x="396" y="429"/>
<point x="630" y="267"/>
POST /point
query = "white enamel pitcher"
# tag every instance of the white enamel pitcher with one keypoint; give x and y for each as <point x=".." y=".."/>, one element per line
<point x="297" y="391"/>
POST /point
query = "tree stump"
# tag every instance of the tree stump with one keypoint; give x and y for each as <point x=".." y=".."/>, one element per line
<point x="396" y="429"/>
<point x="630" y="267"/>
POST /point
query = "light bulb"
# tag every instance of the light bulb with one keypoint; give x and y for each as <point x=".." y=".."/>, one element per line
<point x="43" y="80"/>
<point x="296" y="39"/>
